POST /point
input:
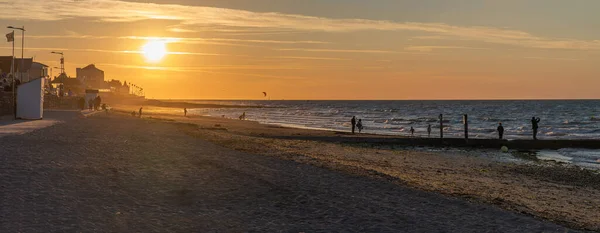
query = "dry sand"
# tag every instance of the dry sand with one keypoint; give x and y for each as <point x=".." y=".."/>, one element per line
<point x="558" y="192"/>
<point x="117" y="173"/>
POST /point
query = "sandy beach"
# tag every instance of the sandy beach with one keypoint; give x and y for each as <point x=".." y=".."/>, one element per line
<point x="119" y="173"/>
<point x="557" y="192"/>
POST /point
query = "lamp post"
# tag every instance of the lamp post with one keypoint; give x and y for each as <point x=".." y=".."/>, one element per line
<point x="21" y="67"/>
<point x="62" y="61"/>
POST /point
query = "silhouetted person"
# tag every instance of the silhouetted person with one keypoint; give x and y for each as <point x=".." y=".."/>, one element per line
<point x="429" y="130"/>
<point x="359" y="125"/>
<point x="534" y="126"/>
<point x="82" y="103"/>
<point x="500" y="130"/>
<point x="243" y="116"/>
<point x="412" y="131"/>
<point x="184" y="111"/>
<point x="140" y="112"/>
<point x="97" y="102"/>
<point x="353" y="122"/>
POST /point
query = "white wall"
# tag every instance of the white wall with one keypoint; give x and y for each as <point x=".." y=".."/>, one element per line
<point x="30" y="100"/>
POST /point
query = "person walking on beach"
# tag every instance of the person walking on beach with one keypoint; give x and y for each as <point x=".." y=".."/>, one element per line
<point x="184" y="111"/>
<point x="534" y="126"/>
<point x="412" y="131"/>
<point x="429" y="131"/>
<point x="140" y="112"/>
<point x="353" y="122"/>
<point x="500" y="130"/>
<point x="359" y="125"/>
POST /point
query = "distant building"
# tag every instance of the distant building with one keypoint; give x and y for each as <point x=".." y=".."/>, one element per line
<point x="91" y="77"/>
<point x="64" y="84"/>
<point x="37" y="70"/>
<point x="21" y="67"/>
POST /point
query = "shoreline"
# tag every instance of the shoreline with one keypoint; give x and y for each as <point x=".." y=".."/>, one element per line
<point x="561" y="193"/>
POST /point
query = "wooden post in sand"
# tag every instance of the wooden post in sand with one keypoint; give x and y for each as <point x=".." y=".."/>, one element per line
<point x="466" y="123"/>
<point x="441" y="126"/>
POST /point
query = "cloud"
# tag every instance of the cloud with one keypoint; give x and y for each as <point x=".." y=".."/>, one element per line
<point x="313" y="58"/>
<point x="186" y="40"/>
<point x="338" y="50"/>
<point x="431" y="48"/>
<point x="553" y="58"/>
<point x="199" y="16"/>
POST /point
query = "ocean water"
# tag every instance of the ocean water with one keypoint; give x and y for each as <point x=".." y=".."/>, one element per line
<point x="560" y="119"/>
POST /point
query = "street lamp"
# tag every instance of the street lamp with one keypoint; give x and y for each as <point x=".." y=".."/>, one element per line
<point x="22" y="64"/>
<point x="62" y="61"/>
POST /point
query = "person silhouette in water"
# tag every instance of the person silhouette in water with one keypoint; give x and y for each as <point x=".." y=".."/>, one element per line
<point x="534" y="126"/>
<point x="500" y="130"/>
<point x="353" y="122"/>
<point x="412" y="131"/>
<point x="184" y="111"/>
<point x="429" y="131"/>
<point x="359" y="125"/>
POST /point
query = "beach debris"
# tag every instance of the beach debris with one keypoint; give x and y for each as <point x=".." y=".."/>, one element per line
<point x="504" y="149"/>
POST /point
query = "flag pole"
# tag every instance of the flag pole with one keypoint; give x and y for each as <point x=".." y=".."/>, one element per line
<point x="12" y="71"/>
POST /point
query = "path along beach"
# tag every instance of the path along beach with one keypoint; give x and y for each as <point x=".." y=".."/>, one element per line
<point x="165" y="173"/>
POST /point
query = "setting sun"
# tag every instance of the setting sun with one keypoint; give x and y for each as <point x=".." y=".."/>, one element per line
<point x="154" y="50"/>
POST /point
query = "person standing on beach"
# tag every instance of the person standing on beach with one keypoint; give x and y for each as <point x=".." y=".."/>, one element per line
<point x="412" y="131"/>
<point x="359" y="125"/>
<point x="353" y="122"/>
<point x="500" y="130"/>
<point x="429" y="131"/>
<point x="534" y="126"/>
<point x="184" y="111"/>
<point x="140" y="112"/>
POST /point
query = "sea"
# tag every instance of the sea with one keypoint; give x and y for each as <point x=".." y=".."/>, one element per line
<point x="560" y="119"/>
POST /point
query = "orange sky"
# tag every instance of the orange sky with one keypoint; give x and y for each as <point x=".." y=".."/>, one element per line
<point x="321" y="50"/>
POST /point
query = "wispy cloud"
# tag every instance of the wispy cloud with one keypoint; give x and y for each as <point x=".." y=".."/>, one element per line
<point x="186" y="40"/>
<point x="554" y="58"/>
<point x="124" y="51"/>
<point x="122" y="11"/>
<point x="313" y="58"/>
<point x="431" y="48"/>
<point x="338" y="50"/>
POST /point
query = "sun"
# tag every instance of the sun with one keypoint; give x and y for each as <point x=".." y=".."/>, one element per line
<point x="154" y="50"/>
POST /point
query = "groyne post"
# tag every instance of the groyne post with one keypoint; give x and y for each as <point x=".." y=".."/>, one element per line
<point x="441" y="126"/>
<point x="466" y="123"/>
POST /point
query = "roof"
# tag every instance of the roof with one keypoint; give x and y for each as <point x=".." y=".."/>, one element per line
<point x="62" y="78"/>
<point x="5" y="62"/>
<point x="90" y="66"/>
<point x="38" y="64"/>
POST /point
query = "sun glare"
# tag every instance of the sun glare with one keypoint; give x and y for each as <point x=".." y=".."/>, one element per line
<point x="154" y="50"/>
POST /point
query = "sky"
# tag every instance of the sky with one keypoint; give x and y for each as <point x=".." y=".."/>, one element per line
<point x="323" y="49"/>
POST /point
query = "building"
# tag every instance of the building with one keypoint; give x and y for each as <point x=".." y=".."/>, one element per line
<point x="91" y="77"/>
<point x="37" y="70"/>
<point x="21" y="67"/>
<point x="65" y="85"/>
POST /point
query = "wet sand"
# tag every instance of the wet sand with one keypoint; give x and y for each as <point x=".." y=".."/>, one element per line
<point x="561" y="193"/>
<point x="117" y="173"/>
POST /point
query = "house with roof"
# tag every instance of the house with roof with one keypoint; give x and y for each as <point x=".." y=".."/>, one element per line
<point x="25" y="70"/>
<point x="91" y="77"/>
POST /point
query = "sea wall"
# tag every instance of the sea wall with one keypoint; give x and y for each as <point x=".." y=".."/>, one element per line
<point x="6" y="103"/>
